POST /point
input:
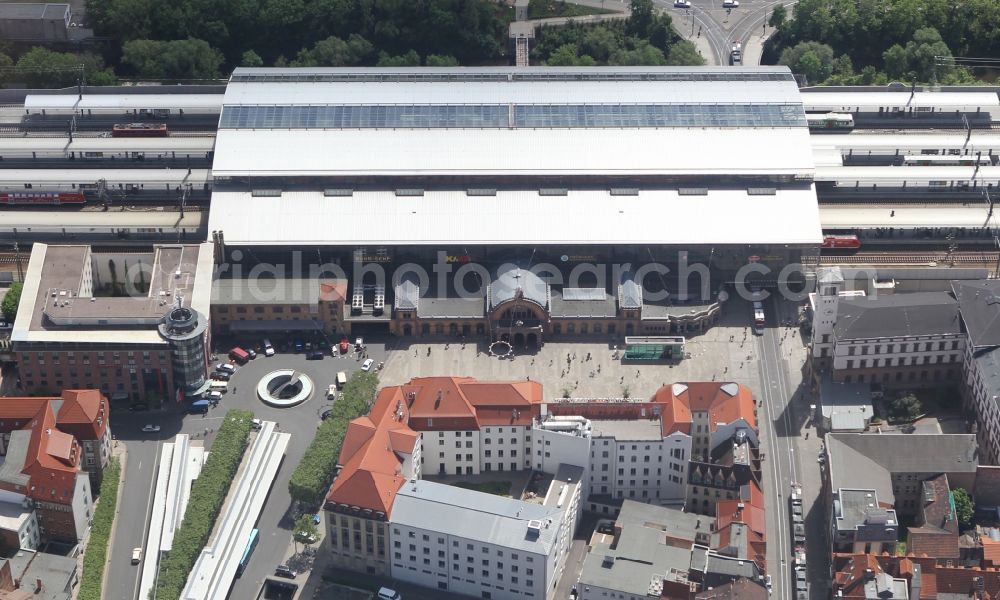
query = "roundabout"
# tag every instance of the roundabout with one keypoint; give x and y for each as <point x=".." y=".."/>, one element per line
<point x="285" y="388"/>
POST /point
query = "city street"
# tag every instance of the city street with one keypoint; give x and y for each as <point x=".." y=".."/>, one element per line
<point x="783" y="421"/>
<point x="714" y="28"/>
<point x="143" y="450"/>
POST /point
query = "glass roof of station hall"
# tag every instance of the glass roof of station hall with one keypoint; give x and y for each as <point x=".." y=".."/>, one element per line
<point x="509" y="98"/>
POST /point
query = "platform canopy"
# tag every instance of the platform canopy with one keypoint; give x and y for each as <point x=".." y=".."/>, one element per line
<point x="660" y="217"/>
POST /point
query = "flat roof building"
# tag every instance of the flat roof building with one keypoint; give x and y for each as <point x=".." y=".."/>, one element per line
<point x="134" y="325"/>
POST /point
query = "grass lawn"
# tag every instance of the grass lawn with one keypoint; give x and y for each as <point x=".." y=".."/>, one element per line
<point x="497" y="488"/>
<point x="543" y="9"/>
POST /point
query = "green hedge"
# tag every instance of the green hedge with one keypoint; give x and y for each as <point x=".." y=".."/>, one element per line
<point x="207" y="495"/>
<point x="314" y="473"/>
<point x="100" y="533"/>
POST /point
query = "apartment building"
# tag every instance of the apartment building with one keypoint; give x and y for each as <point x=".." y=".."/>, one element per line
<point x="691" y="444"/>
<point x="483" y="545"/>
<point x="665" y="552"/>
<point x="905" y="339"/>
<point x="873" y="480"/>
<point x="979" y="302"/>
<point x="385" y="520"/>
<point x="82" y="414"/>
<point x="133" y="325"/>
<point x="468" y="426"/>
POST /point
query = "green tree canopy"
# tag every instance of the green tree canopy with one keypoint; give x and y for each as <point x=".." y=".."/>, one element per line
<point x="251" y="59"/>
<point x="305" y="529"/>
<point x="963" y="507"/>
<point x="778" y="16"/>
<point x="409" y="59"/>
<point x="438" y="60"/>
<point x="684" y="54"/>
<point x="335" y="52"/>
<point x="811" y="59"/>
<point x="44" y="68"/>
<point x="176" y="59"/>
<point x="11" y="300"/>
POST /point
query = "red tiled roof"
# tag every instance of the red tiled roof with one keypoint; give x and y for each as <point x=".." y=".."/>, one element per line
<point x="960" y="580"/>
<point x="84" y="413"/>
<point x="371" y="466"/>
<point x="991" y="550"/>
<point x="52" y="460"/>
<point x="849" y="573"/>
<point x="706" y="396"/>
<point x="931" y="541"/>
<point x="730" y="512"/>
<point x="462" y="403"/>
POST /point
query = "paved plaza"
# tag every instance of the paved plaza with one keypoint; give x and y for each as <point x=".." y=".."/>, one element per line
<point x="589" y="369"/>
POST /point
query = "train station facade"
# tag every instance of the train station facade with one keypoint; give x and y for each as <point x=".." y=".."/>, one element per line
<point x="518" y="204"/>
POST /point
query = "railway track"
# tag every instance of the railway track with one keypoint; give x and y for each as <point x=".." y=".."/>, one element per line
<point x="913" y="258"/>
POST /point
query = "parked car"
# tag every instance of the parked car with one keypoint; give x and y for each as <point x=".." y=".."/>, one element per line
<point x="136" y="555"/>
<point x="388" y="594"/>
<point x="151" y="429"/>
<point x="682" y="3"/>
<point x="285" y="571"/>
<point x="730" y="3"/>
<point x="221" y="375"/>
<point x="314" y="355"/>
<point x="331" y="391"/>
<point x="228" y="367"/>
<point x="256" y="424"/>
<point x="326" y="414"/>
<point x="367" y="365"/>
<point x="268" y="348"/>
<point x="251" y="353"/>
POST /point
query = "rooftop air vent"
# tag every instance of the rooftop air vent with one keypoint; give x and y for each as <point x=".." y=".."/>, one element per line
<point x="343" y="192"/>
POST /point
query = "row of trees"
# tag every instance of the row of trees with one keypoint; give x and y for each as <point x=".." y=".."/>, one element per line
<point x="314" y="473"/>
<point x="280" y="31"/>
<point x="207" y="495"/>
<point x="645" y="38"/>
<point x="876" y="41"/>
<point x="96" y="557"/>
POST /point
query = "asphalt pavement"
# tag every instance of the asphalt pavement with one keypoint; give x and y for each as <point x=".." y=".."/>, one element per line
<point x="143" y="452"/>
<point x="781" y="422"/>
<point x="276" y="522"/>
<point x="714" y="28"/>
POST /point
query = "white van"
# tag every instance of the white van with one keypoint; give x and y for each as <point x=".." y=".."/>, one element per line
<point x="341" y="380"/>
<point x="388" y="594"/>
<point x="219" y="386"/>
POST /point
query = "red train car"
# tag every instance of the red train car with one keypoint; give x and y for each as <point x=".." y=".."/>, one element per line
<point x="850" y="242"/>
<point x="140" y="130"/>
<point x="47" y="198"/>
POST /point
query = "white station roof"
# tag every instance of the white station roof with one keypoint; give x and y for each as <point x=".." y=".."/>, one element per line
<point x="867" y="100"/>
<point x="185" y="144"/>
<point x="722" y="217"/>
<point x="839" y="216"/>
<point x="124" y="102"/>
<point x="594" y="121"/>
<point x="738" y="151"/>
<point x="909" y="142"/>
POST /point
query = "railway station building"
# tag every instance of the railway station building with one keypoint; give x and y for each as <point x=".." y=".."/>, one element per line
<point x="133" y="325"/>
<point x="521" y="204"/>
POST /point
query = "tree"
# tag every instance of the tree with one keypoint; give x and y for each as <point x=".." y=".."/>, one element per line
<point x="921" y="53"/>
<point x="599" y="43"/>
<point x="643" y="54"/>
<point x="335" y="52"/>
<point x="811" y="59"/>
<point x="685" y="54"/>
<point x="251" y="59"/>
<point x="43" y="68"/>
<point x="6" y="64"/>
<point x="641" y="20"/>
<point x="410" y="59"/>
<point x="176" y="59"/>
<point x="895" y="61"/>
<point x="905" y="406"/>
<point x="963" y="507"/>
<point x="438" y="60"/>
<point x="778" y="16"/>
<point x="11" y="300"/>
<point x="305" y="530"/>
